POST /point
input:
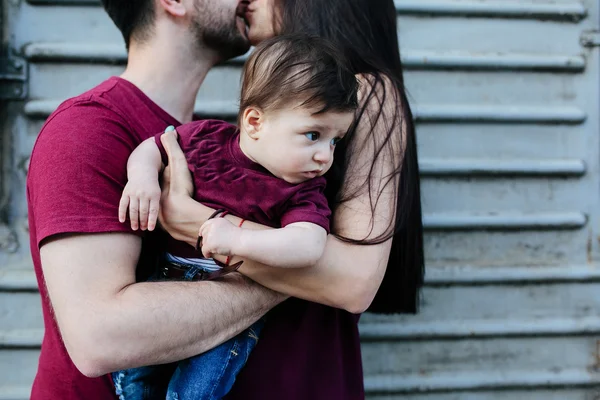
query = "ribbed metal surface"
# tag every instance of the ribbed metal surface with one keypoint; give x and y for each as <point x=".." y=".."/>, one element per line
<point x="570" y="11"/>
<point x="426" y="113"/>
<point x="486" y="167"/>
<point x="506" y="100"/>
<point x="573" y="11"/>
<point x="14" y="392"/>
<point x="471" y="381"/>
<point x="453" y="221"/>
<point x="115" y="53"/>
<point x="474" y="348"/>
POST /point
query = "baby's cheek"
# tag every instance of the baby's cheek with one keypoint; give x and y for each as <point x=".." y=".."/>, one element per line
<point x="299" y="164"/>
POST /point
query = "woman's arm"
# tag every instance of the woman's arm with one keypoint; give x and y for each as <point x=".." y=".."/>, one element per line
<point x="347" y="275"/>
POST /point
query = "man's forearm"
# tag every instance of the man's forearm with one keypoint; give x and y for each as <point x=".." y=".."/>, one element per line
<point x="108" y="322"/>
<point x="160" y="322"/>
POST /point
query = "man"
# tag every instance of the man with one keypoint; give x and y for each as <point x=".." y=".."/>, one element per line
<point x="97" y="318"/>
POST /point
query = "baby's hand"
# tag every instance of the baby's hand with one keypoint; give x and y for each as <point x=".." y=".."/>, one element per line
<point x="219" y="236"/>
<point x="142" y="197"/>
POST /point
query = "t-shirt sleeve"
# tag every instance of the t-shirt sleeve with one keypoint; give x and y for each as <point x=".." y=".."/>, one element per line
<point x="308" y="204"/>
<point x="78" y="171"/>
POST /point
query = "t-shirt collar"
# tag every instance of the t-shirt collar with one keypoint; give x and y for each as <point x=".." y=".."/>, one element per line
<point x="155" y="108"/>
<point x="238" y="155"/>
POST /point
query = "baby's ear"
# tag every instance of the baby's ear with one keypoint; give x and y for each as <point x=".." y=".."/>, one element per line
<point x="252" y="121"/>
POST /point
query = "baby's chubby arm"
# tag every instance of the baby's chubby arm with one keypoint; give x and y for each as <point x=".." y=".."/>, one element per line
<point x="142" y="191"/>
<point x="300" y="244"/>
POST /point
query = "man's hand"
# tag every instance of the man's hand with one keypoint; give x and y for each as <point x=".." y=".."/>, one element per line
<point x="176" y="196"/>
<point x="219" y="236"/>
<point x="177" y="178"/>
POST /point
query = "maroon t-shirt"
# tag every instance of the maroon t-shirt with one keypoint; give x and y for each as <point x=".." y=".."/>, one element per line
<point x="76" y="176"/>
<point x="225" y="178"/>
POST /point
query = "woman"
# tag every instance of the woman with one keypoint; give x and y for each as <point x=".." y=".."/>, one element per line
<point x="373" y="259"/>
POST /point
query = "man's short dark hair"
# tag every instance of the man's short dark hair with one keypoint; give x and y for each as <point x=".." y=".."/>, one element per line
<point x="300" y="71"/>
<point x="134" y="18"/>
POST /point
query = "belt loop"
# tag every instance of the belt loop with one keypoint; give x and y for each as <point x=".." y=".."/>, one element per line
<point x="191" y="272"/>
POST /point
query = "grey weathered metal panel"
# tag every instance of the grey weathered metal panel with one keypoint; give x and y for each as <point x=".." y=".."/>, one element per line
<point x="17" y="369"/>
<point x="546" y="11"/>
<point x="115" y="53"/>
<point x="506" y="98"/>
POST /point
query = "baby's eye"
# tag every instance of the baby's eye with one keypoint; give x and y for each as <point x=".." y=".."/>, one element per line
<point x="335" y="141"/>
<point x="312" y="136"/>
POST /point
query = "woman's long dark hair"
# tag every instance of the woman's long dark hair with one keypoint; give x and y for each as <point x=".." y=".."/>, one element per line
<point x="366" y="32"/>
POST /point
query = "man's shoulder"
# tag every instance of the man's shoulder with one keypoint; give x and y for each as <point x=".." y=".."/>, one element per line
<point x="91" y="117"/>
<point x="96" y="103"/>
<point x="88" y="124"/>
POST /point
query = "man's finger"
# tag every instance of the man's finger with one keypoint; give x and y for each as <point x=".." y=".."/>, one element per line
<point x="172" y="148"/>
<point x="166" y="179"/>
<point x="180" y="179"/>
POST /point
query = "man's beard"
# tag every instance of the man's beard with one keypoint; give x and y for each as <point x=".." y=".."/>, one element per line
<point x="216" y="33"/>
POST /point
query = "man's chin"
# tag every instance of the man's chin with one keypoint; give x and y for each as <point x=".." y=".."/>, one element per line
<point x="238" y="45"/>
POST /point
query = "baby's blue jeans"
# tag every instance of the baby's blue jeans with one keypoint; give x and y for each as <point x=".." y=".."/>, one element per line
<point x="208" y="376"/>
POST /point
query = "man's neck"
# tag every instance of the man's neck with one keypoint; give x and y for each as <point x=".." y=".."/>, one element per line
<point x="169" y="75"/>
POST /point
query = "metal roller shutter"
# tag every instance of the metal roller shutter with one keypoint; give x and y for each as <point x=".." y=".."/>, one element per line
<point x="506" y="96"/>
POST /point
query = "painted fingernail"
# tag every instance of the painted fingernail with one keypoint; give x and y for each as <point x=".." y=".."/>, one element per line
<point x="170" y="128"/>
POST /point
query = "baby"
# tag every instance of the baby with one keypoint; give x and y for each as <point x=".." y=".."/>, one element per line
<point x="298" y="100"/>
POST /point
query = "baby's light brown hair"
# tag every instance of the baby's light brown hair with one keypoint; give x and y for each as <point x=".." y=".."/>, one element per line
<point x="298" y="70"/>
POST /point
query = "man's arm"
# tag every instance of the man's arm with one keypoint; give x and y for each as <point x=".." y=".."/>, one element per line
<point x="108" y="322"/>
